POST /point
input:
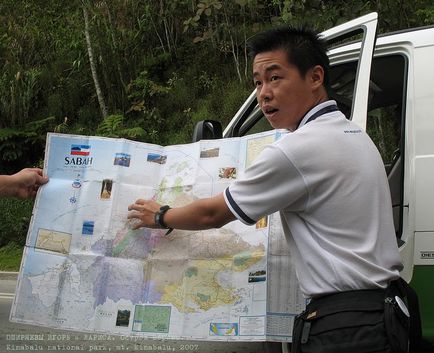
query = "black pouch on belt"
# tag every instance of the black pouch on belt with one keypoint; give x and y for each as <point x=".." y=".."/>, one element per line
<point x="347" y="322"/>
<point x="397" y="319"/>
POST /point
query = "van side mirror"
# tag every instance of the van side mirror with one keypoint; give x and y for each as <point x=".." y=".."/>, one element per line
<point x="207" y="130"/>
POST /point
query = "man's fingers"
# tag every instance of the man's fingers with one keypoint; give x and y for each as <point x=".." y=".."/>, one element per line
<point x="133" y="214"/>
<point x="137" y="225"/>
<point x="134" y="220"/>
<point x="34" y="176"/>
<point x="36" y="170"/>
<point x="32" y="169"/>
<point x="135" y="207"/>
<point x="40" y="179"/>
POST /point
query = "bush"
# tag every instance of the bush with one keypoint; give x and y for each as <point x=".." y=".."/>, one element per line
<point x="15" y="216"/>
<point x="10" y="257"/>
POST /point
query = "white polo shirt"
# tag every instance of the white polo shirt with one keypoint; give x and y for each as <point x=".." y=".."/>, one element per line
<point x="328" y="181"/>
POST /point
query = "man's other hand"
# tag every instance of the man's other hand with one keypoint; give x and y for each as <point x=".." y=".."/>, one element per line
<point x="24" y="184"/>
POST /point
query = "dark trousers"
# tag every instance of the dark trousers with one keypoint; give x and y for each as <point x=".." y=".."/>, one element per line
<point x="362" y="321"/>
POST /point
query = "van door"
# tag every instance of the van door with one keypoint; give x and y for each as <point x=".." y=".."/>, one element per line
<point x="367" y="27"/>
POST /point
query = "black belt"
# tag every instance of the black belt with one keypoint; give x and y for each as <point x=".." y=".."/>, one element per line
<point x="361" y="297"/>
<point x="358" y="300"/>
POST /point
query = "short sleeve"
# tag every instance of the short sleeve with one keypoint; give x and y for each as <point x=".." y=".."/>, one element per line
<point x="270" y="184"/>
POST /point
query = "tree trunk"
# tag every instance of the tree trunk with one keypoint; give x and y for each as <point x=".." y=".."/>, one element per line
<point x="234" y="48"/>
<point x="158" y="35"/>
<point x="115" y="47"/>
<point x="246" y="54"/>
<point x="99" y="94"/>
<point x="166" y="26"/>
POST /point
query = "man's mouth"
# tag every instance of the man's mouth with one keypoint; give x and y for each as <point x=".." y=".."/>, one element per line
<point x="270" y="110"/>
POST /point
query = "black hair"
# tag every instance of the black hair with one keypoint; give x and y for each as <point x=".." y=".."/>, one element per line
<point x="304" y="47"/>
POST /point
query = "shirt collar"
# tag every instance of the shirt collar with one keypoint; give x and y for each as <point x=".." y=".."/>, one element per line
<point x="314" y="110"/>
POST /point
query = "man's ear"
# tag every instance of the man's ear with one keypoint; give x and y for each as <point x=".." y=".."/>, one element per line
<point x="317" y="76"/>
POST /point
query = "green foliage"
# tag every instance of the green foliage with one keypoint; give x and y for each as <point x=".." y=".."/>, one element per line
<point x="10" y="257"/>
<point x="426" y="15"/>
<point x="162" y="65"/>
<point x="9" y="148"/>
<point x="223" y="102"/>
<point x="17" y="93"/>
<point x="15" y="215"/>
<point x="114" y="126"/>
<point x="20" y="144"/>
<point x="383" y="128"/>
<point x="109" y="127"/>
<point x="142" y="90"/>
<point x="55" y="104"/>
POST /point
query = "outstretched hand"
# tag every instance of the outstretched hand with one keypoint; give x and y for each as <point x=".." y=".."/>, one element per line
<point x="142" y="213"/>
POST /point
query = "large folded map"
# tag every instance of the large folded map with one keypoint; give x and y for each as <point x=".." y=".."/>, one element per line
<point x="85" y="269"/>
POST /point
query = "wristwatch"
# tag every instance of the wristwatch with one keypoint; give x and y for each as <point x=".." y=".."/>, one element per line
<point x="159" y="218"/>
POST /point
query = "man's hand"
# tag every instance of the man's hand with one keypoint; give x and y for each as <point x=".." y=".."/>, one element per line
<point x="142" y="212"/>
<point x="23" y="184"/>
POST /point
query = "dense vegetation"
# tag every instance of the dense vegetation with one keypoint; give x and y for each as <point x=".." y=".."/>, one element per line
<point x="142" y="69"/>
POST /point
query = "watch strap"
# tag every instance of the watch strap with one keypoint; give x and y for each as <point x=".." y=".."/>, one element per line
<point x="159" y="218"/>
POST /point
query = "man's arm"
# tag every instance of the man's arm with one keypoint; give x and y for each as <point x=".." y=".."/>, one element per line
<point x="200" y="214"/>
<point x="23" y="184"/>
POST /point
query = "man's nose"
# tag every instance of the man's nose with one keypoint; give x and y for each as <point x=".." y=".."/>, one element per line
<point x="265" y="94"/>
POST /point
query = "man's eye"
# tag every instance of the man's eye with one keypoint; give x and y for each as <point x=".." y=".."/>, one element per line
<point x="257" y="83"/>
<point x="274" y="78"/>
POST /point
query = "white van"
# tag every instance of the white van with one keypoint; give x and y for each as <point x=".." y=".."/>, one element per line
<point x="386" y="85"/>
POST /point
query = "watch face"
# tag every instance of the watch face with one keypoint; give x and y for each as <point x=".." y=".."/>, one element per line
<point x="157" y="219"/>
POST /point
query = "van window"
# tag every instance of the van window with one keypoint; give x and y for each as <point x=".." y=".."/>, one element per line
<point x="386" y="116"/>
<point x="385" y="104"/>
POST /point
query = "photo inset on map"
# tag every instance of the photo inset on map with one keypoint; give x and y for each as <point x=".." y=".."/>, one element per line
<point x="210" y="153"/>
<point x="53" y="241"/>
<point x="257" y="276"/>
<point x="156" y="158"/>
<point x="262" y="223"/>
<point x="255" y="147"/>
<point x="152" y="318"/>
<point x="106" y="189"/>
<point x="123" y="318"/>
<point x="223" y="329"/>
<point x="122" y="159"/>
<point x="228" y="173"/>
<point x="88" y="227"/>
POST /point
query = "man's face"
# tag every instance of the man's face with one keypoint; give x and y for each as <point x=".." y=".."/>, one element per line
<point x="283" y="94"/>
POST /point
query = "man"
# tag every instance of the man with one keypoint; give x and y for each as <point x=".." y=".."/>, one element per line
<point x="327" y="180"/>
<point x="23" y="184"/>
